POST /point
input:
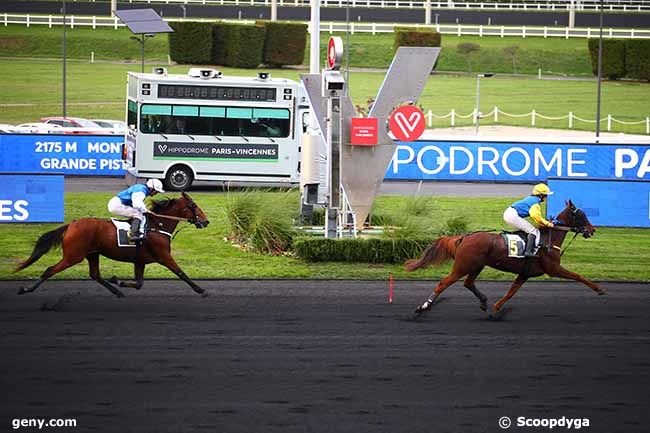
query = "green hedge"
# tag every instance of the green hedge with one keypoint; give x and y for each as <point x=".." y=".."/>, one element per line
<point x="613" y="57"/>
<point x="622" y="58"/>
<point x="374" y="250"/>
<point x="637" y="59"/>
<point x="190" y="42"/>
<point x="237" y="45"/>
<point x="284" y="43"/>
<point x="415" y="37"/>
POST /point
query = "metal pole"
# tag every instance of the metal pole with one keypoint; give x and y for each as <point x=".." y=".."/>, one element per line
<point x="314" y="40"/>
<point x="600" y="70"/>
<point x="274" y="10"/>
<point x="347" y="47"/>
<point x="142" y="54"/>
<point x="572" y="14"/>
<point x="65" y="54"/>
<point x="427" y="12"/>
<point x="478" y="101"/>
<point x="113" y="7"/>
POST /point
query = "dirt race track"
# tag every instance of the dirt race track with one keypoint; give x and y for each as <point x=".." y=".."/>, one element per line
<point x="323" y="356"/>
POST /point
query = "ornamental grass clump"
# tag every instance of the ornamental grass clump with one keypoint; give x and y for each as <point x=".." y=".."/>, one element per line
<point x="262" y="221"/>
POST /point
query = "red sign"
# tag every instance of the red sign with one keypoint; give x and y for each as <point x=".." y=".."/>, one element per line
<point x="334" y="52"/>
<point x="407" y="123"/>
<point x="363" y="131"/>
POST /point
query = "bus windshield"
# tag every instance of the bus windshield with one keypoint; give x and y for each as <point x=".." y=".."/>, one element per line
<point x="212" y="120"/>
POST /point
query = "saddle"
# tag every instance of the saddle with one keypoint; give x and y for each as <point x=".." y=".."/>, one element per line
<point x="123" y="228"/>
<point x="516" y="243"/>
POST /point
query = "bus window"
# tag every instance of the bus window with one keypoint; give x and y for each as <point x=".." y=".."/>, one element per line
<point x="132" y="114"/>
<point x="226" y="121"/>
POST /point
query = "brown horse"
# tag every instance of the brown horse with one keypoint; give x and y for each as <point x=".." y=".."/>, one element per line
<point x="472" y="252"/>
<point x="88" y="238"/>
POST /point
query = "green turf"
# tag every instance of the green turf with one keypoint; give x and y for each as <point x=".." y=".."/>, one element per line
<point x="613" y="253"/>
<point x="97" y="91"/>
<point x="555" y="56"/>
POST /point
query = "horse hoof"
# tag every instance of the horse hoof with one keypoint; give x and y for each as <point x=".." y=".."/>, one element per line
<point x="602" y="292"/>
<point x="22" y="291"/>
<point x="113" y="280"/>
<point x="484" y="306"/>
<point x="120" y="295"/>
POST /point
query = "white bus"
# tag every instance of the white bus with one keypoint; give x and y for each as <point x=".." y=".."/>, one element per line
<point x="206" y="126"/>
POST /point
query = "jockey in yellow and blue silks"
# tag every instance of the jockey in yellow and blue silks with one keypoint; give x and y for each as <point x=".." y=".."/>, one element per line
<point x="130" y="203"/>
<point x="529" y="207"/>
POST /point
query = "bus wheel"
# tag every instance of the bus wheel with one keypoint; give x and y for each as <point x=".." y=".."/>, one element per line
<point x="179" y="178"/>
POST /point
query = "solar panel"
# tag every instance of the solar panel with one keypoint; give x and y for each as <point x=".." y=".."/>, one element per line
<point x="143" y="21"/>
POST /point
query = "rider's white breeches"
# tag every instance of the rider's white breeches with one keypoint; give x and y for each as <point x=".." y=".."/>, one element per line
<point x="116" y="207"/>
<point x="511" y="217"/>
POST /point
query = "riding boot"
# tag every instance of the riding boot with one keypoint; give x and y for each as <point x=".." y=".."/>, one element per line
<point x="135" y="234"/>
<point x="530" y="246"/>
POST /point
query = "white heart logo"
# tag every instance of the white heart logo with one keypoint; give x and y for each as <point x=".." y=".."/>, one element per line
<point x="162" y="148"/>
<point x="408" y="125"/>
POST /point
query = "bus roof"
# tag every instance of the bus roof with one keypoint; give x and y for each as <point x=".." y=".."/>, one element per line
<point x="216" y="78"/>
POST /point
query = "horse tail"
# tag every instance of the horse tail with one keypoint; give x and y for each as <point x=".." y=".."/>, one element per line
<point x="442" y="250"/>
<point x="44" y="244"/>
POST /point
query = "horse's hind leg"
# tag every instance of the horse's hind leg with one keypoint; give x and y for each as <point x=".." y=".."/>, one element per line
<point x="519" y="281"/>
<point x="62" y="265"/>
<point x="469" y="284"/>
<point x="93" y="265"/>
<point x="442" y="285"/>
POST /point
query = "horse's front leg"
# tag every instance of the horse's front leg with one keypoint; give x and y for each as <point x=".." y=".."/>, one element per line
<point x="559" y="271"/>
<point x="138" y="271"/>
<point x="169" y="262"/>
<point x="516" y="284"/>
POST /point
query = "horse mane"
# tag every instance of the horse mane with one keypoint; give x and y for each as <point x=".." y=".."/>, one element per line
<point x="162" y="204"/>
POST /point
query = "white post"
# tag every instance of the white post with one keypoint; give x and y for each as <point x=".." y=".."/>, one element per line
<point x="572" y="14"/>
<point x="430" y="118"/>
<point x="115" y="23"/>
<point x="27" y="20"/>
<point x="609" y="122"/>
<point x="453" y="117"/>
<point x="532" y="118"/>
<point x="570" y="120"/>
<point x="113" y="7"/>
<point x="314" y="40"/>
<point x="49" y="21"/>
<point x="72" y="21"/>
<point x="539" y="73"/>
<point x="545" y="32"/>
<point x="92" y="57"/>
<point x="647" y="125"/>
<point x="94" y="22"/>
<point x="274" y="10"/>
<point x="427" y="12"/>
<point x="496" y="114"/>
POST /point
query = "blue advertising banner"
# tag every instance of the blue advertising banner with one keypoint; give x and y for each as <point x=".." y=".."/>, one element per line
<point x="606" y="202"/>
<point x="517" y="162"/>
<point x="31" y="198"/>
<point x="91" y="155"/>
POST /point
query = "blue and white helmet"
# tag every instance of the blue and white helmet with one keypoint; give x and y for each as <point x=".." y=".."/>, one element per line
<point x="155" y="184"/>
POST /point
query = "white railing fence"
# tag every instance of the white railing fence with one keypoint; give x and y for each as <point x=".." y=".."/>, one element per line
<point x="355" y="27"/>
<point x="493" y="116"/>
<point x="530" y="5"/>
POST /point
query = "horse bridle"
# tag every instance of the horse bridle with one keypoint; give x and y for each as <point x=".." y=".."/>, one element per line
<point x="190" y="205"/>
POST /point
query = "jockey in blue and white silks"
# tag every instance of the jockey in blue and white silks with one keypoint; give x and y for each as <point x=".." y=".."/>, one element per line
<point x="130" y="203"/>
<point x="529" y="207"/>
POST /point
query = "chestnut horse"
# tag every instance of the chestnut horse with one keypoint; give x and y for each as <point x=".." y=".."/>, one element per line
<point x="88" y="238"/>
<point x="472" y="252"/>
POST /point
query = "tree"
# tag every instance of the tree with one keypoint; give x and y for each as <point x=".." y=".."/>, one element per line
<point x="512" y="52"/>
<point x="466" y="49"/>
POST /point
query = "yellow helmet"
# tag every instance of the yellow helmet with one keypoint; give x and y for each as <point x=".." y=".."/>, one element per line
<point x="541" y="189"/>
